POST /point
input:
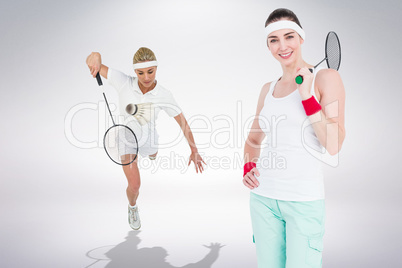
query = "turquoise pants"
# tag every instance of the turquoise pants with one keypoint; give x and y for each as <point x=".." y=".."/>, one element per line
<point x="287" y="234"/>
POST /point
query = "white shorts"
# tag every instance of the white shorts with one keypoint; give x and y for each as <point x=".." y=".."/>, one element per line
<point x="148" y="143"/>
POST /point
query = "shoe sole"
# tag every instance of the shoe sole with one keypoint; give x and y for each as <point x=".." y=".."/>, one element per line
<point x="135" y="228"/>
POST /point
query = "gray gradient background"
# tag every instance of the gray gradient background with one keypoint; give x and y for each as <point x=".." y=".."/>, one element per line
<point x="58" y="201"/>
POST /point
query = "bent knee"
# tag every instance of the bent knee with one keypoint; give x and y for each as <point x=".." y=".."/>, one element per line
<point x="134" y="187"/>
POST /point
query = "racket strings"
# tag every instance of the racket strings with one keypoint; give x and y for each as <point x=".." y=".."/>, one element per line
<point x="121" y="144"/>
<point x="333" y="51"/>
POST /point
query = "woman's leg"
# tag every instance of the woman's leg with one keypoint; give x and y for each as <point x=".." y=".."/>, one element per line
<point x="133" y="178"/>
<point x="304" y="233"/>
<point x="269" y="232"/>
<point x="133" y="190"/>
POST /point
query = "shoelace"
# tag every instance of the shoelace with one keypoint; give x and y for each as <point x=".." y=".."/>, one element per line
<point x="133" y="214"/>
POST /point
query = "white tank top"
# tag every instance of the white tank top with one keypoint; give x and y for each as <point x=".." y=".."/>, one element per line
<point x="287" y="170"/>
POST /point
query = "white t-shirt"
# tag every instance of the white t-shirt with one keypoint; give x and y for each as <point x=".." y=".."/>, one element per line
<point x="287" y="170"/>
<point x="129" y="92"/>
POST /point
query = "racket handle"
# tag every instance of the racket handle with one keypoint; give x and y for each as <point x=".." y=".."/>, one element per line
<point x="299" y="78"/>
<point x="98" y="78"/>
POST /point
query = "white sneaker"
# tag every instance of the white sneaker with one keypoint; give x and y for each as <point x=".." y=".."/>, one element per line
<point x="134" y="218"/>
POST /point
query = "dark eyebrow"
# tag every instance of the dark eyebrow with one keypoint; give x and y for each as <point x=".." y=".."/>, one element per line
<point x="273" y="36"/>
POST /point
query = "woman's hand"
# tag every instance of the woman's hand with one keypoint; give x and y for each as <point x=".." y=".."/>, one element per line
<point x="305" y="87"/>
<point x="197" y="159"/>
<point x="249" y="180"/>
<point x="94" y="62"/>
<point x="195" y="156"/>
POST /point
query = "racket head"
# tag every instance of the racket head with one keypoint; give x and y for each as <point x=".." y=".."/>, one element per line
<point x="121" y="144"/>
<point x="333" y="51"/>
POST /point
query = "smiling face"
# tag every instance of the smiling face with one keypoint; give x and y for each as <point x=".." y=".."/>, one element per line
<point x="285" y="46"/>
<point x="146" y="77"/>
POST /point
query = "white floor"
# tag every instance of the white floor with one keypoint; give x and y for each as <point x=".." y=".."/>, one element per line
<point x="71" y="217"/>
<point x="59" y="221"/>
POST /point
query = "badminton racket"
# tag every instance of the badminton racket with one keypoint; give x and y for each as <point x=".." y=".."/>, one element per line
<point x="332" y="54"/>
<point x="120" y="142"/>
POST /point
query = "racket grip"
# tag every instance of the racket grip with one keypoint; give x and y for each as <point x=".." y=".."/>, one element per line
<point x="98" y="78"/>
<point x="299" y="78"/>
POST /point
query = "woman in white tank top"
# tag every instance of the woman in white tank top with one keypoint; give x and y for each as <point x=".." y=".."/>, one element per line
<point x="287" y="190"/>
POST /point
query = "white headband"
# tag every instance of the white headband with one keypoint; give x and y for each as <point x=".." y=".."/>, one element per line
<point x="145" y="64"/>
<point x="284" y="24"/>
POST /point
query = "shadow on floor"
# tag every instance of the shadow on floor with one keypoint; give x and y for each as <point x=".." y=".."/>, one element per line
<point x="128" y="255"/>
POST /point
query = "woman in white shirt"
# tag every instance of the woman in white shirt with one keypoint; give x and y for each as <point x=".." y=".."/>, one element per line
<point x="143" y="89"/>
<point x="287" y="190"/>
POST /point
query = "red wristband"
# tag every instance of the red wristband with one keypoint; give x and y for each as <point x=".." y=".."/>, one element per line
<point x="311" y="106"/>
<point x="248" y="166"/>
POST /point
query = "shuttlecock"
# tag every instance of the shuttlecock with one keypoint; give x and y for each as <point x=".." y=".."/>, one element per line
<point x="143" y="112"/>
